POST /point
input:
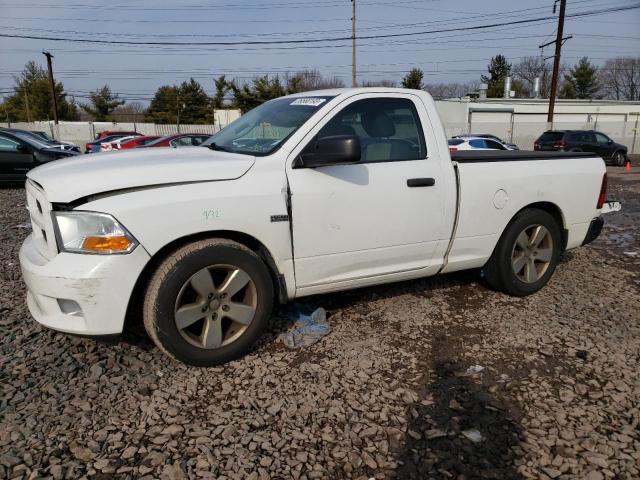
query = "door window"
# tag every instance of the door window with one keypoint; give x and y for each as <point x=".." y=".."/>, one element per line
<point x="389" y="129"/>
<point x="181" y="142"/>
<point x="493" y="145"/>
<point x="478" y="143"/>
<point x="7" y="145"/>
<point x="602" y="139"/>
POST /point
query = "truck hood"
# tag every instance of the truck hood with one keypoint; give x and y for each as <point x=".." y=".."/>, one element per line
<point x="77" y="177"/>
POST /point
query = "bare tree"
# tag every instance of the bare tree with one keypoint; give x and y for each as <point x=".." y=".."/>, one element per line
<point x="311" y="79"/>
<point x="129" y="112"/>
<point x="379" y="83"/>
<point x="530" y="68"/>
<point x="620" y="78"/>
<point x="451" y="90"/>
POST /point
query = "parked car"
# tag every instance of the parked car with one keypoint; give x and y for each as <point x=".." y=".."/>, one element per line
<point x="359" y="180"/>
<point x="109" y="133"/>
<point x="114" y="144"/>
<point x="475" y="143"/>
<point x="20" y="153"/>
<point x="137" y="142"/>
<point x="510" y="146"/>
<point x="93" y="147"/>
<point x="180" y="140"/>
<point x="43" y="137"/>
<point x="583" y="141"/>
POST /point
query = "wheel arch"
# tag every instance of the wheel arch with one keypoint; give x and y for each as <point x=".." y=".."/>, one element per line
<point x="134" y="308"/>
<point x="552" y="209"/>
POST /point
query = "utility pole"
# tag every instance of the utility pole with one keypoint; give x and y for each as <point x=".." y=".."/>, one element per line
<point x="556" y="62"/>
<point x="26" y="102"/>
<point x="53" y="87"/>
<point x="354" y="82"/>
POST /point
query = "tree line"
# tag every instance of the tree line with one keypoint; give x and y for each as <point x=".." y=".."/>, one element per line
<point x="189" y="103"/>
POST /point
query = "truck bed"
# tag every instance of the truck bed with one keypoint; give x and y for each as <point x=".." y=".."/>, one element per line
<point x="472" y="156"/>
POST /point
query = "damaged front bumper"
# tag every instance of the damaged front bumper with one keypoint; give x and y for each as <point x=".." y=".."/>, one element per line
<point x="80" y="294"/>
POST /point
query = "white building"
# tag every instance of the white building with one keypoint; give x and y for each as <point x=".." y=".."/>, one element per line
<point x="522" y="120"/>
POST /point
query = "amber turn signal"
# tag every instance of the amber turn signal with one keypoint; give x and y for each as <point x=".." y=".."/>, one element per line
<point x="106" y="244"/>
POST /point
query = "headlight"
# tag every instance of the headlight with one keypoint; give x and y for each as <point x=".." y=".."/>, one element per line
<point x="91" y="232"/>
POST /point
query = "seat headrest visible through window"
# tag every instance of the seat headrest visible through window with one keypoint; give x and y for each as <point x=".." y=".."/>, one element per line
<point x="337" y="128"/>
<point x="378" y="124"/>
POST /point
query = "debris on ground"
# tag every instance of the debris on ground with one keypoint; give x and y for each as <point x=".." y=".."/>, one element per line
<point x="307" y="329"/>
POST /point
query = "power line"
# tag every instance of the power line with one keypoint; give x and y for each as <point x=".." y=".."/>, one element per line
<point x="316" y="40"/>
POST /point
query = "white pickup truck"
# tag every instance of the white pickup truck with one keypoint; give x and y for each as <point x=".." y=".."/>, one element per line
<point x="306" y="194"/>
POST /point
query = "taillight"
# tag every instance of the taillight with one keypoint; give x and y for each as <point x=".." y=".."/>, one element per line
<point x="536" y="146"/>
<point x="603" y="192"/>
<point x="452" y="149"/>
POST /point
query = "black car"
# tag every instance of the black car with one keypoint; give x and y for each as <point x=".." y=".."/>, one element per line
<point x="42" y="137"/>
<point x="19" y="154"/>
<point x="583" y="141"/>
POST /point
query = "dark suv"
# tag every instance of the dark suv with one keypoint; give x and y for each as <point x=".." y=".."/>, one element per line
<point x="583" y="141"/>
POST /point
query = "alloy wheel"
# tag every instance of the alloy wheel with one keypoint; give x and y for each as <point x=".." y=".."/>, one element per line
<point x="215" y="306"/>
<point x="532" y="253"/>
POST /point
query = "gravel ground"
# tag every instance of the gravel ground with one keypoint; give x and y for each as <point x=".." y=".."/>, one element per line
<point x="438" y="378"/>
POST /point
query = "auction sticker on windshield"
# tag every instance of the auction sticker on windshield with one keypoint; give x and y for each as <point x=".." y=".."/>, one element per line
<point x="309" y="101"/>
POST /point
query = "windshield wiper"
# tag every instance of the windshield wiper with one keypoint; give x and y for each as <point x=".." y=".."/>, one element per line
<point x="218" y="148"/>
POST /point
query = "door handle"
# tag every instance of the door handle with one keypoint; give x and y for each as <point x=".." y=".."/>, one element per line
<point x="421" y="182"/>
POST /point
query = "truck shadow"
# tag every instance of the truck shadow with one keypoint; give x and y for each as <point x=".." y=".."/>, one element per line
<point x="462" y="431"/>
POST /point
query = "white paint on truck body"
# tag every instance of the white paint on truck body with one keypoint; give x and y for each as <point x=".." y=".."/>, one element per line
<point x="350" y="225"/>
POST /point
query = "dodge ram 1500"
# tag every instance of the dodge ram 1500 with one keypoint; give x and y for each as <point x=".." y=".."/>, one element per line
<point x="306" y="194"/>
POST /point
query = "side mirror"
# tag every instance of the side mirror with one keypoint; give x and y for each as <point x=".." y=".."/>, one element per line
<point x="22" y="149"/>
<point x="609" y="141"/>
<point x="333" y="150"/>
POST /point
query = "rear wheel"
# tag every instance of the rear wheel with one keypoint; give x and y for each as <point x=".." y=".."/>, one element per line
<point x="526" y="255"/>
<point x="208" y="302"/>
<point x="619" y="159"/>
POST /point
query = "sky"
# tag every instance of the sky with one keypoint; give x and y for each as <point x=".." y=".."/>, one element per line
<point x="135" y="71"/>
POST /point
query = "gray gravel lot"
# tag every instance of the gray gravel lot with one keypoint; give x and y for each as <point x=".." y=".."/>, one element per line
<point x="387" y="394"/>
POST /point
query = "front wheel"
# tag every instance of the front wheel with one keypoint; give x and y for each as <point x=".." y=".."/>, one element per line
<point x="208" y="302"/>
<point x="526" y="255"/>
<point x="619" y="159"/>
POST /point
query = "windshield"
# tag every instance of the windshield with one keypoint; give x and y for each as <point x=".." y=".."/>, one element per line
<point x="32" y="140"/>
<point x="160" y="139"/>
<point x="262" y="130"/>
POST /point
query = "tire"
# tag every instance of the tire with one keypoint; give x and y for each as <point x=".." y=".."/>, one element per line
<point x="619" y="159"/>
<point x="225" y="285"/>
<point x="538" y="263"/>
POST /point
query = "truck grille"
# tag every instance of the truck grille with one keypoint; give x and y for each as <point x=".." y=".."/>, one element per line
<point x="40" y="212"/>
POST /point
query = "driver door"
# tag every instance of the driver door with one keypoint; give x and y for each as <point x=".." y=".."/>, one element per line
<point x="381" y="217"/>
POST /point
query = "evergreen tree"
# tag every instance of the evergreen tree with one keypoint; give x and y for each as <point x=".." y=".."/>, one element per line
<point x="498" y="70"/>
<point x="164" y="105"/>
<point x="32" y="97"/>
<point x="196" y="107"/>
<point x="194" y="103"/>
<point x="103" y="103"/>
<point x="260" y="90"/>
<point x="222" y="87"/>
<point x="413" y="79"/>
<point x="581" y="82"/>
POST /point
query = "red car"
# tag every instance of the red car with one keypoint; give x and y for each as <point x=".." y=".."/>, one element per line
<point x="108" y="133"/>
<point x="138" y="142"/>
<point x="180" y="140"/>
